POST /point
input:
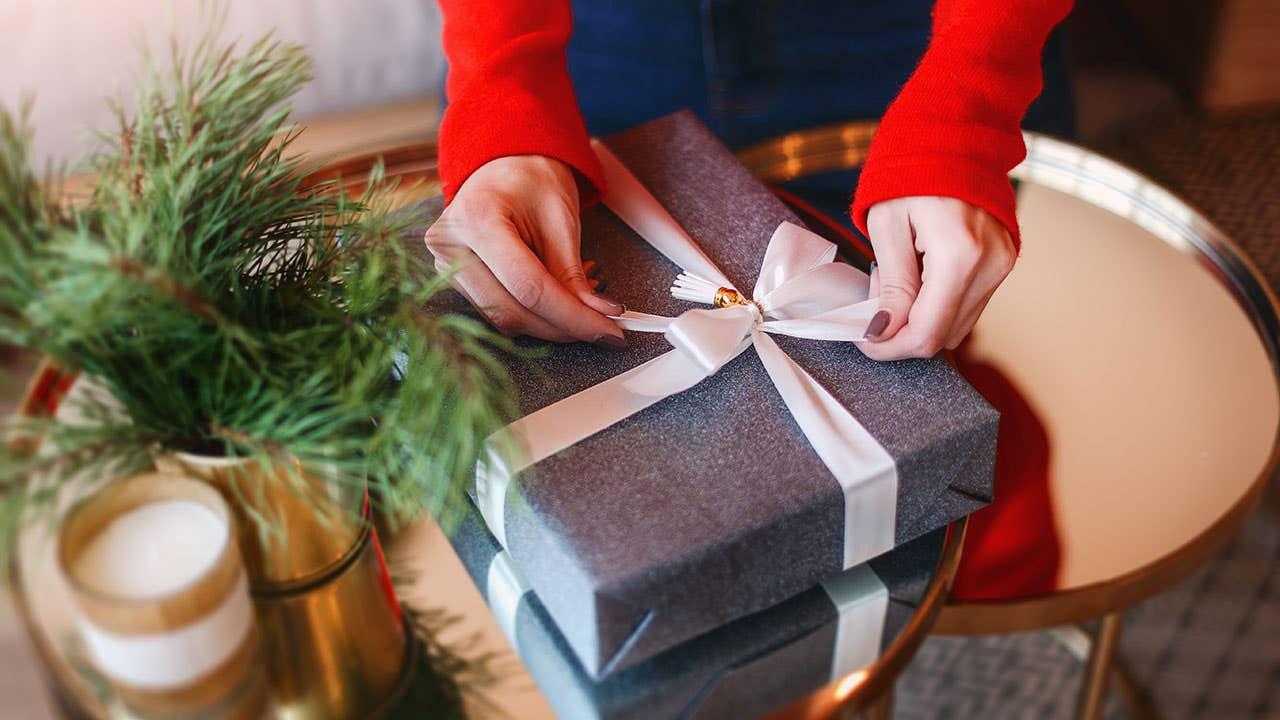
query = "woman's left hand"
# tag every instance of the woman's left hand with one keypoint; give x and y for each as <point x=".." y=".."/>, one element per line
<point x="938" y="261"/>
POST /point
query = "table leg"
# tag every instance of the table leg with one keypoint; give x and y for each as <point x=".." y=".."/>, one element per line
<point x="882" y="707"/>
<point x="1137" y="700"/>
<point x="1093" y="694"/>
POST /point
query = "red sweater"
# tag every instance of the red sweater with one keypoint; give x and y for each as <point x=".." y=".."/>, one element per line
<point x="952" y="131"/>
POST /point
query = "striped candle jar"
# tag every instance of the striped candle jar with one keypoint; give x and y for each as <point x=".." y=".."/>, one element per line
<point x="163" y="599"/>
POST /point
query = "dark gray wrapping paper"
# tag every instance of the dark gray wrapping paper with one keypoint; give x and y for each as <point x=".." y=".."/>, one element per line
<point x="711" y="505"/>
<point x="747" y="668"/>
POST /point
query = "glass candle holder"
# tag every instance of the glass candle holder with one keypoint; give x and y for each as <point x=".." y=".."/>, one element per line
<point x="163" y="599"/>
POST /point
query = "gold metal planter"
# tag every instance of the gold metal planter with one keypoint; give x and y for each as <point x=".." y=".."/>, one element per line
<point x="330" y="624"/>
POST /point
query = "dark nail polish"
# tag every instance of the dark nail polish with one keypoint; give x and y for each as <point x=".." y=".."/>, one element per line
<point x="621" y="308"/>
<point x="878" y="323"/>
<point x="612" y="341"/>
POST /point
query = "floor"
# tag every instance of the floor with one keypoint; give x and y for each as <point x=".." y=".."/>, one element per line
<point x="1210" y="647"/>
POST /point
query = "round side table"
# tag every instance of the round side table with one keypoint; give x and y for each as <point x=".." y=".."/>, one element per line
<point x="1146" y="345"/>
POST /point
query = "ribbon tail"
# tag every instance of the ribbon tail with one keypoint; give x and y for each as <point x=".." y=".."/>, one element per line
<point x="847" y="323"/>
<point x="642" y="322"/>
<point x="505" y="588"/>
<point x="632" y="202"/>
<point x="865" y="470"/>
<point x="565" y="423"/>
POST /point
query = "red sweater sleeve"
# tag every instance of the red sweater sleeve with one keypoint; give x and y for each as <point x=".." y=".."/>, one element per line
<point x="954" y="128"/>
<point x="509" y="89"/>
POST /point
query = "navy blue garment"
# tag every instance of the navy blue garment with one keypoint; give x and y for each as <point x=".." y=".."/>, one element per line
<point x="752" y="69"/>
<point x="755" y="69"/>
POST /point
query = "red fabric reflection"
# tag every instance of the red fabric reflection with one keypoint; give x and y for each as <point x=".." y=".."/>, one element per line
<point x="1011" y="549"/>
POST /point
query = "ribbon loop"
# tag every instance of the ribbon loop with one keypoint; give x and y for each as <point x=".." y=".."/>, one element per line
<point x="816" y="291"/>
<point x="791" y="251"/>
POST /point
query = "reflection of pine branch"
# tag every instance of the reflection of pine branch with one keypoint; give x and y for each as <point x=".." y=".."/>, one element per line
<point x="448" y="677"/>
<point x="34" y="464"/>
<point x="238" y="438"/>
<point x="92" y="678"/>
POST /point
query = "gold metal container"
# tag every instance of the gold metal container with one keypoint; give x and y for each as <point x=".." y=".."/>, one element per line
<point x="330" y="624"/>
<point x="316" y="527"/>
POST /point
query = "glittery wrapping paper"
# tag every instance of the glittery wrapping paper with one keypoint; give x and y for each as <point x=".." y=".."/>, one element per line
<point x="744" y="669"/>
<point x="710" y="505"/>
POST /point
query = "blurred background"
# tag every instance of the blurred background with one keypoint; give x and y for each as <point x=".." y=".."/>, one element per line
<point x="1185" y="91"/>
<point x="70" y="54"/>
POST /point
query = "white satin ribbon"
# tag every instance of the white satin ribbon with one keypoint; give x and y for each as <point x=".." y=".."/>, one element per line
<point x="504" y="587"/>
<point x="800" y="292"/>
<point x="861" y="601"/>
<point x="859" y="596"/>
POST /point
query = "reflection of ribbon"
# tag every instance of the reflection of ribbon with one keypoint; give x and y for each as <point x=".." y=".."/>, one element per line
<point x="800" y="292"/>
<point x="858" y="595"/>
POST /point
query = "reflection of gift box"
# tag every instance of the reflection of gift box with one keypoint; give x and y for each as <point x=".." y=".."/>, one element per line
<point x="744" y="669"/>
<point x="713" y="504"/>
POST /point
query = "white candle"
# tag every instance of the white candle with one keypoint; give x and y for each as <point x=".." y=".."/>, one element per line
<point x="163" y="599"/>
<point x="153" y="550"/>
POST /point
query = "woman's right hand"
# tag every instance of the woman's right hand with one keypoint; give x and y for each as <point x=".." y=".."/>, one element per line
<point x="511" y="239"/>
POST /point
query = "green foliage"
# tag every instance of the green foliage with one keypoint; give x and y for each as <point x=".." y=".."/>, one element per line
<point x="229" y="308"/>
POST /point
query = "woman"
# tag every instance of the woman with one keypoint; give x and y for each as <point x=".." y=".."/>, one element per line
<point x="933" y="197"/>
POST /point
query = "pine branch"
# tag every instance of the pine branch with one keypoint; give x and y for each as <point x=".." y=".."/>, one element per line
<point x="168" y="286"/>
<point x="223" y="305"/>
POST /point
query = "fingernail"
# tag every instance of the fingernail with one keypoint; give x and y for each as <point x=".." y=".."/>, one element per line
<point x="872" y="267"/>
<point x="620" y="307"/>
<point x="612" y="341"/>
<point x="878" y="323"/>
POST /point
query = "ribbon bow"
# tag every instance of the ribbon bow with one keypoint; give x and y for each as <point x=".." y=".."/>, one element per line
<point x="800" y="292"/>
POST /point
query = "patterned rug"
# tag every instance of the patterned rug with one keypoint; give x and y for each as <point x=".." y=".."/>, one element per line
<point x="1208" y="648"/>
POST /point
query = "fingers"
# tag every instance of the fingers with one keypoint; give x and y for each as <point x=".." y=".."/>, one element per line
<point x="933" y="314"/>
<point x="896" y="279"/>
<point x="966" y="254"/>
<point x="478" y="285"/>
<point x="558" y="246"/>
<point x="997" y="263"/>
<point x="524" y="276"/>
<point x="502" y="276"/>
<point x="512" y="231"/>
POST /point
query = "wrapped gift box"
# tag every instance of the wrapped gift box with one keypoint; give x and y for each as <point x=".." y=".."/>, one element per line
<point x="711" y="505"/>
<point x="747" y="668"/>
